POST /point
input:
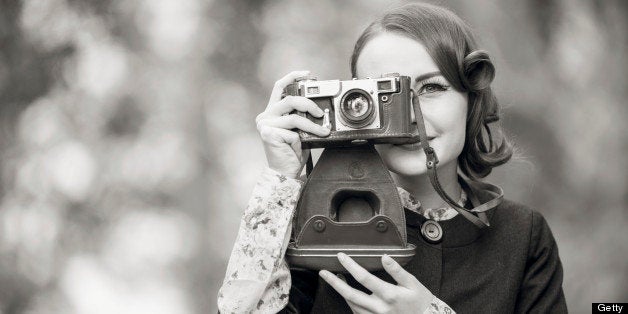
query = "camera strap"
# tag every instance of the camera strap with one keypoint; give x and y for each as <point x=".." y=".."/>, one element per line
<point x="309" y="166"/>
<point x="481" y="220"/>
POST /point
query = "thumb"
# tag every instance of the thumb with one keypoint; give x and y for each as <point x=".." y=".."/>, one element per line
<point x="296" y="147"/>
<point x="304" y="155"/>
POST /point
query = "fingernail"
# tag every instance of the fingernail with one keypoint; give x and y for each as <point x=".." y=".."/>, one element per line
<point x="387" y="259"/>
<point x="342" y="257"/>
<point x="323" y="273"/>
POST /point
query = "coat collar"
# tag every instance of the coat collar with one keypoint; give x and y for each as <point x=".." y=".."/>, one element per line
<point x="457" y="231"/>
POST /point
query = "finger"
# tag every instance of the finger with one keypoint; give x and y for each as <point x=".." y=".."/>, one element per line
<point x="291" y="103"/>
<point x="367" y="279"/>
<point x="342" y="277"/>
<point x="292" y="121"/>
<point x="352" y="295"/>
<point x="400" y="275"/>
<point x="356" y="309"/>
<point x="302" y="154"/>
<point x="281" y="84"/>
<point x="278" y="136"/>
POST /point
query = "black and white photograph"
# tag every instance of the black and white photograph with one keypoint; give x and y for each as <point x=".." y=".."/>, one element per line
<point x="293" y="156"/>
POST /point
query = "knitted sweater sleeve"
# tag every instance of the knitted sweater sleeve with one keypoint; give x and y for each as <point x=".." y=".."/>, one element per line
<point x="541" y="290"/>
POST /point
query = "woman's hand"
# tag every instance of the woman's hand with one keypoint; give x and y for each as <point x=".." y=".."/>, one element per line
<point x="282" y="145"/>
<point x="408" y="296"/>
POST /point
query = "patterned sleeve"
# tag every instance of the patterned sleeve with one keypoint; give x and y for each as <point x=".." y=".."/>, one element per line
<point x="257" y="277"/>
<point x="437" y="307"/>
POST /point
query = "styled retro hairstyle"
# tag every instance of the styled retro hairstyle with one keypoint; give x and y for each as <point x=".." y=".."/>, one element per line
<point x="450" y="42"/>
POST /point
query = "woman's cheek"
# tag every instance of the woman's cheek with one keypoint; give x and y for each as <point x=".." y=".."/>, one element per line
<point x="457" y="142"/>
<point x="453" y="140"/>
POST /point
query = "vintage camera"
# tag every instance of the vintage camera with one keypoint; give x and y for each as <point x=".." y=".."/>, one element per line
<point x="350" y="203"/>
<point x="377" y="110"/>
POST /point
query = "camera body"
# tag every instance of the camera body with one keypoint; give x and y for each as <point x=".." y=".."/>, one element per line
<point x="350" y="202"/>
<point x="375" y="110"/>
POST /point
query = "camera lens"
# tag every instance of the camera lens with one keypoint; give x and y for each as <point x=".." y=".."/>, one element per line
<point x="356" y="108"/>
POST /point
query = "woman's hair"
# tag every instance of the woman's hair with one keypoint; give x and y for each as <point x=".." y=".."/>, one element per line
<point x="450" y="42"/>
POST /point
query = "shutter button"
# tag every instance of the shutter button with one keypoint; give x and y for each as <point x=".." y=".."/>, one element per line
<point x="432" y="231"/>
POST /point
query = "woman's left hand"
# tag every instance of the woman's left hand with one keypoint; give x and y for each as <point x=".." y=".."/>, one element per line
<point x="408" y="296"/>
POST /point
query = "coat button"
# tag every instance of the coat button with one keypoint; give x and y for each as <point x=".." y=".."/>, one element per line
<point x="432" y="231"/>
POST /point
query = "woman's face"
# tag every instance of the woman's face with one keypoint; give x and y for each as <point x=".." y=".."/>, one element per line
<point x="444" y="108"/>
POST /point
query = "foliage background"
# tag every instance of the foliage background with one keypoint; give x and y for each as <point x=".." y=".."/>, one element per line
<point x="128" y="147"/>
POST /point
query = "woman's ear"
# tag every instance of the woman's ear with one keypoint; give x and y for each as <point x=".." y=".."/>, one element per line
<point x="479" y="71"/>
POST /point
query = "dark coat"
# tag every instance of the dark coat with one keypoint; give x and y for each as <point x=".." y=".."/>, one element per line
<point x="512" y="267"/>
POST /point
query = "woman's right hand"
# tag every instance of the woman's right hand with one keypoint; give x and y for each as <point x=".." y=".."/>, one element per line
<point x="282" y="145"/>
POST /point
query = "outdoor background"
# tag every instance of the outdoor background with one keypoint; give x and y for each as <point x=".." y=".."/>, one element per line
<point x="128" y="144"/>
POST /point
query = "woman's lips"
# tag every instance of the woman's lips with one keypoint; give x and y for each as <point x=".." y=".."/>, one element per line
<point x="412" y="146"/>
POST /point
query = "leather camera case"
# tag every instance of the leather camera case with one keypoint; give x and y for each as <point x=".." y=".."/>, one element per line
<point x="349" y="204"/>
<point x="394" y="114"/>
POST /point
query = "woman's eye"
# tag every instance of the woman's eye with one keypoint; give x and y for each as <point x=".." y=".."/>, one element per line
<point x="432" y="88"/>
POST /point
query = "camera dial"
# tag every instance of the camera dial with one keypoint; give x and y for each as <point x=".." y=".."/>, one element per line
<point x="392" y="74"/>
<point x="305" y="78"/>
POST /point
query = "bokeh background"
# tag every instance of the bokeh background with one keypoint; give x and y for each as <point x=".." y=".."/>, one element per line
<point x="128" y="144"/>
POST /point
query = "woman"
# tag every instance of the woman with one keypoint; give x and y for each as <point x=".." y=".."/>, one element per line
<point x="511" y="266"/>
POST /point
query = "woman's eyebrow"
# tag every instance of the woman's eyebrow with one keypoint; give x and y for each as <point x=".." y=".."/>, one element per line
<point x="425" y="76"/>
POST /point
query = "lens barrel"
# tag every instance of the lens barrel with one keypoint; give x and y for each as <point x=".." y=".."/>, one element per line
<point x="356" y="108"/>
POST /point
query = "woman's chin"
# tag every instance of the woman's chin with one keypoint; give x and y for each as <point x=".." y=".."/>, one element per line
<point x="406" y="171"/>
<point x="404" y="160"/>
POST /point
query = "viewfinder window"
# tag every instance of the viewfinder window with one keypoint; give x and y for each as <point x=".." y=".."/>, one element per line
<point x="312" y="90"/>
<point x="384" y="85"/>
